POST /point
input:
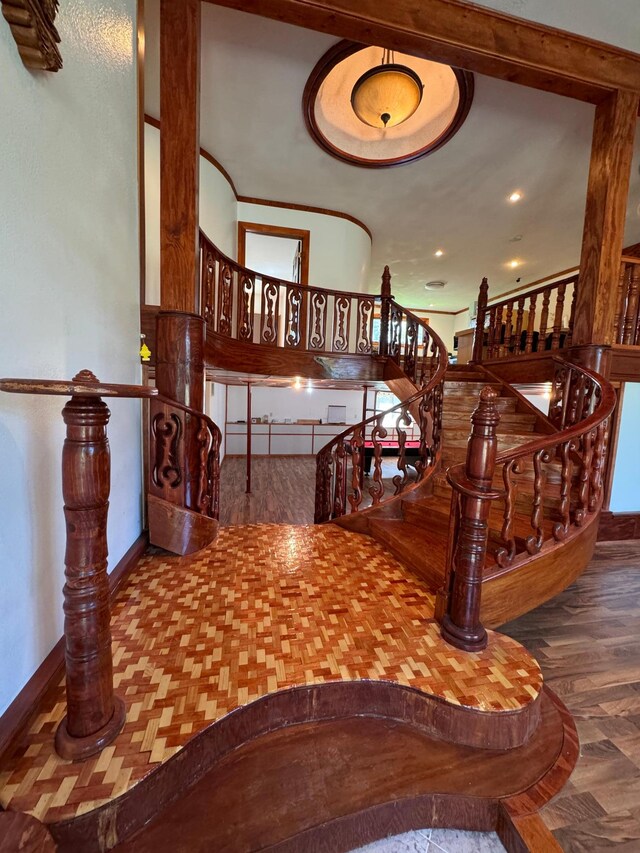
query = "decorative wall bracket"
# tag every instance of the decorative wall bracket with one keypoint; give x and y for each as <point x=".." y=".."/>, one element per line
<point x="33" y="28"/>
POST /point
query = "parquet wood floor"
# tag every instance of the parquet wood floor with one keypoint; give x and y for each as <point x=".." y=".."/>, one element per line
<point x="266" y="608"/>
<point x="587" y="641"/>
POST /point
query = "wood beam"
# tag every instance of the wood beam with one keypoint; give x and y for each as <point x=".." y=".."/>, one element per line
<point x="611" y="153"/>
<point x="179" y="150"/>
<point x="470" y="37"/>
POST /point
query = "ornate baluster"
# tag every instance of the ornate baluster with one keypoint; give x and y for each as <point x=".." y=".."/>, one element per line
<point x="597" y="466"/>
<point x="318" y="320"/>
<point x="506" y="552"/>
<point x="225" y="299"/>
<point x="385" y="306"/>
<point x="572" y="316"/>
<point x="499" y="348"/>
<point x="461" y="624"/>
<point x="365" y="325"/>
<point x="544" y="318"/>
<point x="557" y="320"/>
<point x="395" y="330"/>
<point x="270" y="312"/>
<point x="403" y="421"/>
<point x="340" y="482"/>
<point x="323" y="486"/>
<point x="621" y="299"/>
<point x="378" y="434"/>
<point x="491" y="343"/>
<point x="508" y="329"/>
<point x="208" y="284"/>
<point x="631" y="314"/>
<point x="293" y="325"/>
<point x="534" y="543"/>
<point x="426" y="452"/>
<point x="531" y="324"/>
<point x="204" y="499"/>
<point x="341" y="320"/>
<point x="478" y="339"/>
<point x="246" y="307"/>
<point x="584" y="477"/>
<point x="517" y="342"/>
<point x="561" y="528"/>
<point x="357" y="445"/>
<point x="411" y="349"/>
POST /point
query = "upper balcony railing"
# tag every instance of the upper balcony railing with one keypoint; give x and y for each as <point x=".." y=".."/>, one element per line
<point x="254" y="308"/>
<point x="626" y="329"/>
<point x="536" y="321"/>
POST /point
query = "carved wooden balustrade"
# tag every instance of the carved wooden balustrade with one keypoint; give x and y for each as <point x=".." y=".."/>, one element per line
<point x="626" y="328"/>
<point x="535" y="321"/>
<point x="250" y="307"/>
<point x="340" y="464"/>
<point x="184" y="455"/>
<point x="550" y="488"/>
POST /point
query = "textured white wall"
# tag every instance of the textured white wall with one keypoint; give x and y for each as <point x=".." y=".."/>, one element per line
<point x="69" y="283"/>
<point x="339" y="250"/>
<point x="292" y="403"/>
<point x="626" y="474"/>
<point x="218" y="211"/>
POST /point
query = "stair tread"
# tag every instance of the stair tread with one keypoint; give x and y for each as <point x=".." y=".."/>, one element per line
<point x="421" y="549"/>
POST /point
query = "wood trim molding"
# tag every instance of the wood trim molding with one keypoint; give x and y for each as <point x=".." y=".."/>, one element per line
<point x="335" y="55"/>
<point x="301" y="234"/>
<point x="307" y="208"/>
<point x="468" y="36"/>
<point x="616" y="526"/>
<point x="17" y="716"/>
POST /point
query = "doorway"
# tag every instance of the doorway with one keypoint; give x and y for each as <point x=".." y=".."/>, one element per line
<point x="274" y="250"/>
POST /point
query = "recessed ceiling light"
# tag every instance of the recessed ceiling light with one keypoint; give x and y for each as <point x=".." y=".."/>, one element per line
<point x="515" y="196"/>
<point x="438" y="253"/>
<point x="514" y="264"/>
<point x="434" y="285"/>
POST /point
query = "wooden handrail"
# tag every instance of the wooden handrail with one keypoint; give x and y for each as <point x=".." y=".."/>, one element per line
<point x="422" y="356"/>
<point x="581" y="404"/>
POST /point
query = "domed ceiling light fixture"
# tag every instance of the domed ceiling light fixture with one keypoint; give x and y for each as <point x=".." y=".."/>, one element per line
<point x="388" y="94"/>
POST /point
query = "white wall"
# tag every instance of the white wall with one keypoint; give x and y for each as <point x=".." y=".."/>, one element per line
<point x="626" y="476"/>
<point x="218" y="216"/>
<point x="444" y="325"/>
<point x="339" y="250"/>
<point x="281" y="403"/>
<point x="69" y="282"/>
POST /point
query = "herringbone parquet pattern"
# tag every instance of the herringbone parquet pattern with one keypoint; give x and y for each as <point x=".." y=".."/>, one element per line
<point x="268" y="607"/>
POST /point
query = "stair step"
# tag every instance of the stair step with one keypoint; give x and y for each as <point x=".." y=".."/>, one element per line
<point x="508" y="421"/>
<point x="421" y="549"/>
<point x="459" y="403"/>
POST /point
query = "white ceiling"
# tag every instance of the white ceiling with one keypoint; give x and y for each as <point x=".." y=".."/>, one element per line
<point x="253" y="74"/>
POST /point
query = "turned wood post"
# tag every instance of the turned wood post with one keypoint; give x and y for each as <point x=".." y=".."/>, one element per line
<point x="94" y="714"/>
<point x="478" y="339"/>
<point x="461" y="625"/>
<point x="385" y="307"/>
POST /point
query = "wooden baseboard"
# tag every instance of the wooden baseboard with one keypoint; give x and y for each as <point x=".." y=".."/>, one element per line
<point x="19" y="713"/>
<point x="618" y="525"/>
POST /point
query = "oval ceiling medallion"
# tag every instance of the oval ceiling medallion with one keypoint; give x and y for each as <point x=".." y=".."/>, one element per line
<point x="343" y="118"/>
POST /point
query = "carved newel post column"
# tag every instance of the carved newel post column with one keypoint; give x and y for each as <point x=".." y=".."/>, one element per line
<point x="481" y="313"/>
<point x="385" y="307"/>
<point x="95" y="715"/>
<point x="461" y="624"/>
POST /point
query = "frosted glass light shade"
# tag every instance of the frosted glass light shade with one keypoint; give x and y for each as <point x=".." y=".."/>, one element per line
<point x="387" y="95"/>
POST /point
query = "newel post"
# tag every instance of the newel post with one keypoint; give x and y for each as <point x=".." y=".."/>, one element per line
<point x="461" y="624"/>
<point x="385" y="307"/>
<point x="478" y="339"/>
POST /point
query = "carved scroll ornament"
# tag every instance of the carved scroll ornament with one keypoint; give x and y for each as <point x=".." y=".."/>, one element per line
<point x="32" y="26"/>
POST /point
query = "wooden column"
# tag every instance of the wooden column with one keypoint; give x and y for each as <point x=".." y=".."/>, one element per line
<point x="180" y="330"/>
<point x="611" y="153"/>
<point x="461" y="624"/>
<point x="95" y="715"/>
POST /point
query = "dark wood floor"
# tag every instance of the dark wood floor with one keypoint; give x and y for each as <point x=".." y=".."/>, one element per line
<point x="587" y="641"/>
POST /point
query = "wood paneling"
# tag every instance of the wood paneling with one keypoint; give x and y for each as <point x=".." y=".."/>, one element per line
<point x="612" y="149"/>
<point x="179" y="149"/>
<point x="469" y="37"/>
<point x="21" y="833"/>
<point x="178" y="529"/>
<point x="615" y="526"/>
